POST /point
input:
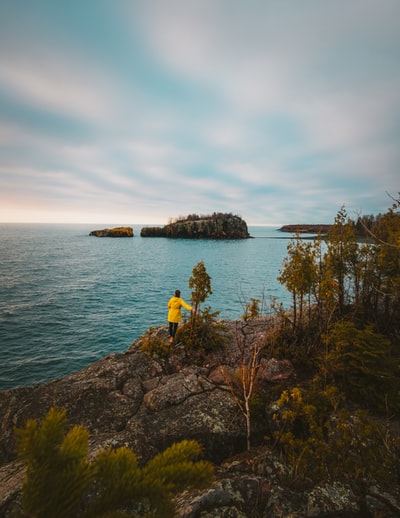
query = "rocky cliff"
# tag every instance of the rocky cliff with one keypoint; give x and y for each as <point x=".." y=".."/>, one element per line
<point x="132" y="399"/>
<point x="217" y="226"/>
<point x="113" y="232"/>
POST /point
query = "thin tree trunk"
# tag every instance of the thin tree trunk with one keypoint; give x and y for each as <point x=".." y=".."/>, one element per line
<point x="248" y="423"/>
<point x="193" y="319"/>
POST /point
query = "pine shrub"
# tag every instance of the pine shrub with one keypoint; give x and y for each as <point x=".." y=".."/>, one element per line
<point x="61" y="480"/>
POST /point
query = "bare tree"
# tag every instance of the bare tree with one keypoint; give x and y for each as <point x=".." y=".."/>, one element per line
<point x="242" y="382"/>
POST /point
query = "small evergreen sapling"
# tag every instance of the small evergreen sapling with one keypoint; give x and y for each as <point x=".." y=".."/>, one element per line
<point x="200" y="283"/>
<point x="57" y="470"/>
<point x="61" y="480"/>
<point x="202" y="332"/>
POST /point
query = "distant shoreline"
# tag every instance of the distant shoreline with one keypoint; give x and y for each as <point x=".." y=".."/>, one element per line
<point x="306" y="228"/>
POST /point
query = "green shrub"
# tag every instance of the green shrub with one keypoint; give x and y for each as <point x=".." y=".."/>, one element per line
<point x="323" y="442"/>
<point x="155" y="345"/>
<point x="61" y="480"/>
<point x="57" y="470"/>
<point x="203" y="334"/>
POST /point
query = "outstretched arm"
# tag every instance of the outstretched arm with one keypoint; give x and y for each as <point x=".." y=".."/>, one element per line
<point x="186" y="306"/>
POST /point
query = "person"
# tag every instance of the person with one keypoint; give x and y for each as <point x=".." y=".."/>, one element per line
<point x="175" y="304"/>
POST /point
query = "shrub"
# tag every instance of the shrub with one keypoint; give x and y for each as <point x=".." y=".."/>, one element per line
<point x="324" y="442"/>
<point x="155" y="345"/>
<point x="203" y="334"/>
<point x="61" y="480"/>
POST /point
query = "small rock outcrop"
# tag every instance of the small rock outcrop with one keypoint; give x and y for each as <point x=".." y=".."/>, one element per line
<point x="132" y="399"/>
<point x="113" y="232"/>
<point x="216" y="226"/>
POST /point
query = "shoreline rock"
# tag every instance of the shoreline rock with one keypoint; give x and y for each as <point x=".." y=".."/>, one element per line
<point x="132" y="399"/>
<point x="146" y="404"/>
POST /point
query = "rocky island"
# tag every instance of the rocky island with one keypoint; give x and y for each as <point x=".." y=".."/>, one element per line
<point x="113" y="232"/>
<point x="215" y="226"/>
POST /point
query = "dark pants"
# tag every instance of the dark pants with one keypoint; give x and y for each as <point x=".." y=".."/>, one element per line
<point x="173" y="326"/>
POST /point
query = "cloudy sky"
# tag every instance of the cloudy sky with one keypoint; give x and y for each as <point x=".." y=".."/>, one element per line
<point x="137" y="111"/>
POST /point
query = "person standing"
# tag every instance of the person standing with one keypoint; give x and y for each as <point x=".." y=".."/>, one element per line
<point x="175" y="304"/>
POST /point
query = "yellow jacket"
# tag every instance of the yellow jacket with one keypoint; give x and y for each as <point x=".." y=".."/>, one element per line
<point x="174" y="307"/>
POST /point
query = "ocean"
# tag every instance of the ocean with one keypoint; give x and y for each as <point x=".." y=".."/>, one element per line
<point x="68" y="299"/>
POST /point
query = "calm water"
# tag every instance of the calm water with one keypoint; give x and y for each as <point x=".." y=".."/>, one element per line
<point x="68" y="299"/>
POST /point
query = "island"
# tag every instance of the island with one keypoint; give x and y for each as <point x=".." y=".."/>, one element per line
<point x="306" y="228"/>
<point x="113" y="232"/>
<point x="214" y="226"/>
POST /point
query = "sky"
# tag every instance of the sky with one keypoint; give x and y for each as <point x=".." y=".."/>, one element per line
<point x="139" y="111"/>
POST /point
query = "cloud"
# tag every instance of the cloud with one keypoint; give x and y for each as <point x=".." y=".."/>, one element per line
<point x="142" y="110"/>
<point x="58" y="84"/>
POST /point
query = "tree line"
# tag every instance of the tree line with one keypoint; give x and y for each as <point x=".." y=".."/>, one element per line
<point x="197" y="217"/>
<point x="340" y="276"/>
